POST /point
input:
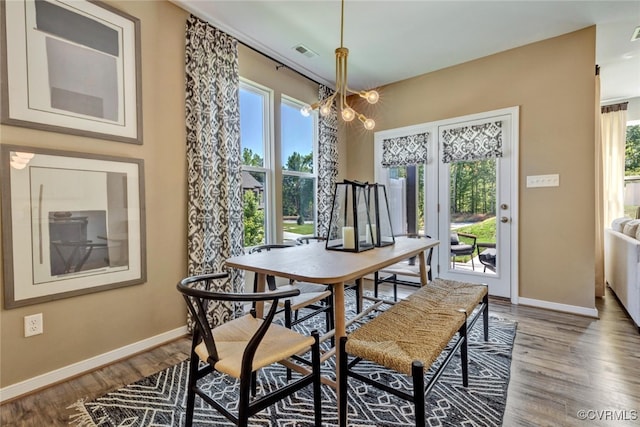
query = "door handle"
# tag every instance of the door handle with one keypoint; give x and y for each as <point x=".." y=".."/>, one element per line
<point x="504" y="219"/>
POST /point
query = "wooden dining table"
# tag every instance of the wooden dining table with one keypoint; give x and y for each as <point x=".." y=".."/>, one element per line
<point x="315" y="264"/>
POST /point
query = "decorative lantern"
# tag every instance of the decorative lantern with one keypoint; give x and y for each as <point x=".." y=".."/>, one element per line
<point x="350" y="221"/>
<point x="381" y="231"/>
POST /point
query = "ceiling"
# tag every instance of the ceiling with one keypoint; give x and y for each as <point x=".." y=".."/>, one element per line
<point x="395" y="40"/>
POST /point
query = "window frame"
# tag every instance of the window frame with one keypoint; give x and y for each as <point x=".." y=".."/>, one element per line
<point x="272" y="163"/>
<point x="296" y="104"/>
<point x="268" y="164"/>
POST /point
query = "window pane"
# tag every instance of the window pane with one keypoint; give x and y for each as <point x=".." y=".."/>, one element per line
<point x="298" y="206"/>
<point x="406" y="199"/>
<point x="297" y="139"/>
<point x="252" y="127"/>
<point x="253" y="186"/>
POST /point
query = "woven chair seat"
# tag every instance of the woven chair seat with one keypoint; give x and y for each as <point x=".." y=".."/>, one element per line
<point x="231" y="339"/>
<point x="310" y="287"/>
<point x="304" y="299"/>
<point x="404" y="269"/>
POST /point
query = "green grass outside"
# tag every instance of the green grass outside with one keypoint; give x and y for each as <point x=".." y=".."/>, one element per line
<point x="304" y="229"/>
<point x="484" y="230"/>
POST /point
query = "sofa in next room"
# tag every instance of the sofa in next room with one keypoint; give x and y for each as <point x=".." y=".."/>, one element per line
<point x="622" y="263"/>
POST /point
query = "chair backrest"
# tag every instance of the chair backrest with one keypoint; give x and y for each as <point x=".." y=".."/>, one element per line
<point x="305" y="240"/>
<point x="412" y="260"/>
<point x="271" y="281"/>
<point x="197" y="294"/>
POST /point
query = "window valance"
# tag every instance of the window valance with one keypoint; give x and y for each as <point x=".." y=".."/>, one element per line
<point x="405" y="150"/>
<point x="476" y="142"/>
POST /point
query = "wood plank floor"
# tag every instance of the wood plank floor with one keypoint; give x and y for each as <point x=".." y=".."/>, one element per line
<point x="562" y="364"/>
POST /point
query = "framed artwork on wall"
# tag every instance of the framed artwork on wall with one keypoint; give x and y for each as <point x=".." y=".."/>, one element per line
<point x="71" y="66"/>
<point x="72" y="224"/>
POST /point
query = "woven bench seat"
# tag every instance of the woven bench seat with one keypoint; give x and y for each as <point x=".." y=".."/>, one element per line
<point x="411" y="335"/>
<point x="427" y="334"/>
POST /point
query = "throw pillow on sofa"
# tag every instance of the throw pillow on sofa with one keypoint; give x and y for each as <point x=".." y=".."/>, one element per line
<point x="619" y="223"/>
<point x="631" y="227"/>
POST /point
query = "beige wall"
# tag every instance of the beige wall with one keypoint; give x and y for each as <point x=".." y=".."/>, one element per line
<point x="76" y="329"/>
<point x="553" y="83"/>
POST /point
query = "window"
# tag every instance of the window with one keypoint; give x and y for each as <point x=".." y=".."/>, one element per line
<point x="406" y="198"/>
<point x="632" y="171"/>
<point x="298" y="137"/>
<point x="296" y="213"/>
<point x="255" y="142"/>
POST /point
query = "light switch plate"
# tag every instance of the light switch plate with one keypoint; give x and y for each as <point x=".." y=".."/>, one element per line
<point x="552" y="180"/>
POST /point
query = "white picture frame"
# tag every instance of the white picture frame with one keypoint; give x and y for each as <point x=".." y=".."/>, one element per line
<point x="72" y="223"/>
<point x="71" y="66"/>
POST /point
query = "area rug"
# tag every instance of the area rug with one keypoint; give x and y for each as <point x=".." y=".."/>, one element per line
<point x="160" y="399"/>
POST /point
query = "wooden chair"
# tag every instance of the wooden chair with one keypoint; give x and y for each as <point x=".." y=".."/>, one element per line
<point x="241" y="347"/>
<point x="305" y="240"/>
<point x="316" y="298"/>
<point x="461" y="247"/>
<point x="408" y="268"/>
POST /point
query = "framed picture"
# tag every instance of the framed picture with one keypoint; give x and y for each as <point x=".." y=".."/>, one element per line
<point x="72" y="224"/>
<point x="71" y="66"/>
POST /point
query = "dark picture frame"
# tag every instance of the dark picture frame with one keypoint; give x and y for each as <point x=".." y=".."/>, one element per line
<point x="72" y="224"/>
<point x="71" y="66"/>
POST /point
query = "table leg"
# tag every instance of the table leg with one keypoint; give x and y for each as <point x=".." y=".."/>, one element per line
<point x="261" y="284"/>
<point x="423" y="268"/>
<point x="340" y="331"/>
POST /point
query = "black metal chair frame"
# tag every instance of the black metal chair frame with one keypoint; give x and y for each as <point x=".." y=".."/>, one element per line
<point x="484" y="260"/>
<point x="197" y="302"/>
<point x="466" y="251"/>
<point x="393" y="277"/>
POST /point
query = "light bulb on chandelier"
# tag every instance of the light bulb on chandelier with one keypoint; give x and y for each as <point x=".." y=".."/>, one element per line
<point x="347" y="112"/>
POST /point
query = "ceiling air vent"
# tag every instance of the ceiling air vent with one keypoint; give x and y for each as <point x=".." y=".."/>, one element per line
<point x="636" y="34"/>
<point x="305" y="51"/>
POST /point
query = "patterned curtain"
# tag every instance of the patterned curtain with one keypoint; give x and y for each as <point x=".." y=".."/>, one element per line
<point x="327" y="162"/>
<point x="468" y="143"/>
<point x="214" y="206"/>
<point x="405" y="150"/>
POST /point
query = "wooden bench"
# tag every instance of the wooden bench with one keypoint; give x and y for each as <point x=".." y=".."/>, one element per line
<point x="410" y="336"/>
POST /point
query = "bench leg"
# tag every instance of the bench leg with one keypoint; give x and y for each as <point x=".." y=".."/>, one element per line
<point x="342" y="404"/>
<point x="485" y="316"/>
<point x="417" y="371"/>
<point x="464" y="357"/>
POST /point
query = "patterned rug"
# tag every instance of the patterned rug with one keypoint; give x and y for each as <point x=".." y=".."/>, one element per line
<point x="160" y="399"/>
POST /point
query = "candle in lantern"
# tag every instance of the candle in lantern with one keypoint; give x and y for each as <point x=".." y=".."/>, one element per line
<point x="371" y="239"/>
<point x="348" y="238"/>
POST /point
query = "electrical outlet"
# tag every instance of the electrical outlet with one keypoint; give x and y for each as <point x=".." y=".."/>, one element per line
<point x="33" y="325"/>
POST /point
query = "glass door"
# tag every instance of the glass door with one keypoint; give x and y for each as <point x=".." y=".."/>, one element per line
<point x="475" y="187"/>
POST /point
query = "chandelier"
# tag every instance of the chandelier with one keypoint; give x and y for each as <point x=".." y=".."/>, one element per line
<point x="348" y="113"/>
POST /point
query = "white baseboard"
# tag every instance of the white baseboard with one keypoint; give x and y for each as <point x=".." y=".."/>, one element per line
<point x="87" y="365"/>
<point x="573" y="309"/>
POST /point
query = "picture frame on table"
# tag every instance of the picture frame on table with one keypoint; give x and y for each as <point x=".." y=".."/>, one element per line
<point x="72" y="224"/>
<point x="71" y="66"/>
